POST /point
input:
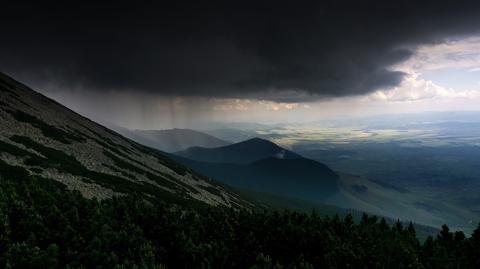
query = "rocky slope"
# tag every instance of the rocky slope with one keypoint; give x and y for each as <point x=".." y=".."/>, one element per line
<point x="46" y="139"/>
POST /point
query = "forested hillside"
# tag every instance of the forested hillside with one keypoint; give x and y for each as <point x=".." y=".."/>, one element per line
<point x="45" y="225"/>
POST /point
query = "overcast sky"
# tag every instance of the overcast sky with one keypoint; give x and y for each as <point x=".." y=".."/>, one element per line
<point x="155" y="65"/>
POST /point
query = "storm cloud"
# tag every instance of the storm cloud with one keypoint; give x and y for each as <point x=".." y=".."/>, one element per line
<point x="287" y="51"/>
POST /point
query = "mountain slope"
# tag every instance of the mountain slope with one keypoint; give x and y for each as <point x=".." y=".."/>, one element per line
<point x="248" y="151"/>
<point x="44" y="138"/>
<point x="301" y="178"/>
<point x="263" y="166"/>
<point x="171" y="140"/>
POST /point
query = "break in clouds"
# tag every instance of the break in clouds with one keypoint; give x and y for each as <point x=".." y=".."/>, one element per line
<point x="274" y="50"/>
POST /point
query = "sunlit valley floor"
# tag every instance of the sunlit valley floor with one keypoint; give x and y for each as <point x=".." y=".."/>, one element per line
<point x="426" y="163"/>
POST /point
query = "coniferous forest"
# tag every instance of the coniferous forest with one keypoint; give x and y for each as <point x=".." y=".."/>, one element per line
<point x="44" y="225"/>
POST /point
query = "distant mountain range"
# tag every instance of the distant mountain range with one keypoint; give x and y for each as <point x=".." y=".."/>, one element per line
<point x="171" y="140"/>
<point x="40" y="137"/>
<point x="263" y="166"/>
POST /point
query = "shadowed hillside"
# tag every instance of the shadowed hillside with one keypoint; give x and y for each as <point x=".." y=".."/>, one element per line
<point x="244" y="152"/>
<point x="46" y="139"/>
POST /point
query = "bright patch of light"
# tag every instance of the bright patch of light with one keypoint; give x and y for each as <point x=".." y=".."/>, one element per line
<point x="436" y="72"/>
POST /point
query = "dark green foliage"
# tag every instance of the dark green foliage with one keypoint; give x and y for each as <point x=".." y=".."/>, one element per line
<point x="43" y="225"/>
<point x="126" y="165"/>
<point x="8" y="171"/>
<point x="67" y="163"/>
<point x="5" y="88"/>
<point x="3" y="104"/>
<point x="35" y="170"/>
<point x="158" y="179"/>
<point x="47" y="129"/>
<point x="53" y="156"/>
<point x="12" y="149"/>
<point x="115" y="149"/>
<point x="211" y="189"/>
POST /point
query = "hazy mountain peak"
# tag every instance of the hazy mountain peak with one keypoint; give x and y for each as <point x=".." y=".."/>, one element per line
<point x="256" y="141"/>
<point x="171" y="140"/>
<point x="247" y="151"/>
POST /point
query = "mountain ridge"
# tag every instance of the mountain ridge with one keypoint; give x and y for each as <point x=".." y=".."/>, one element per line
<point x="244" y="152"/>
<point x="170" y="140"/>
<point x="46" y="139"/>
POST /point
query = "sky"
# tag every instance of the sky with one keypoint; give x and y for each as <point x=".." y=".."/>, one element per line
<point x="154" y="65"/>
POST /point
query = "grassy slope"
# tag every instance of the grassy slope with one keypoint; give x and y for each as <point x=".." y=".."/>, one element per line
<point x="276" y="202"/>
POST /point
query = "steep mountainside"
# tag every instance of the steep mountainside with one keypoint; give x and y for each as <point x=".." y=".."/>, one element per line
<point x="248" y="151"/>
<point x="44" y="138"/>
<point x="171" y="140"/>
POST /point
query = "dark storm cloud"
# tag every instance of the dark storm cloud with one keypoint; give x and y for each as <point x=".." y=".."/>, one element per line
<point x="309" y="49"/>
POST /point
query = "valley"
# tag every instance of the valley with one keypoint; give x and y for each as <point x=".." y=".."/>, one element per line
<point x="426" y="162"/>
<point x="44" y="142"/>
